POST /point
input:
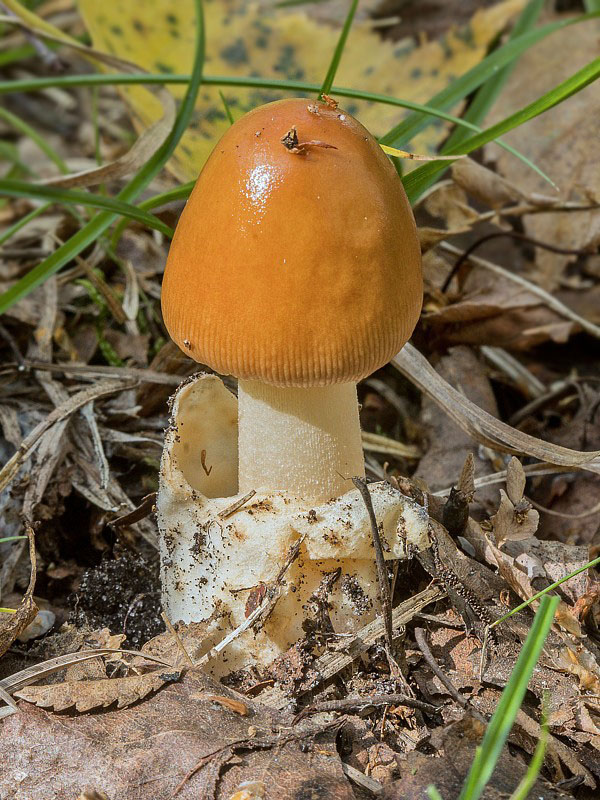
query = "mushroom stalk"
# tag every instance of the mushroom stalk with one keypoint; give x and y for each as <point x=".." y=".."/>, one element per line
<point x="306" y="441"/>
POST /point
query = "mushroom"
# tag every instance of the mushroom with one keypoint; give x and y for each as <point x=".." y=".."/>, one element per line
<point x="296" y="268"/>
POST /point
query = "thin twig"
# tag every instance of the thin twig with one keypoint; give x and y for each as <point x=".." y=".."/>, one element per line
<point x="144" y="509"/>
<point x="384" y="585"/>
<point x="227" y="512"/>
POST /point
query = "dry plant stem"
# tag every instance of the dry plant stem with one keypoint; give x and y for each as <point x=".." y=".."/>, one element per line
<point x="384" y="584"/>
<point x="305" y="441"/>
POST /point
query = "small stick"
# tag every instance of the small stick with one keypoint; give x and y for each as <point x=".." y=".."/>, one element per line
<point x="445" y="680"/>
<point x="139" y="513"/>
<point x="384" y="586"/>
<point x="227" y="512"/>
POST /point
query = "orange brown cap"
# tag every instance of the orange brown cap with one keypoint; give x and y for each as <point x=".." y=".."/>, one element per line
<point x="296" y="260"/>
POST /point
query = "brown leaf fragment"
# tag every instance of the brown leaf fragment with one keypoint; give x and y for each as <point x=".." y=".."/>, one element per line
<point x="514" y="522"/>
<point x="588" y="603"/>
<point x="88" y="695"/>
<point x="466" y="482"/>
<point x="515" y="481"/>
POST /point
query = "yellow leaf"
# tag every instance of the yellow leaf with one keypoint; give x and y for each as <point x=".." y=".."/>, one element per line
<point x="244" y="39"/>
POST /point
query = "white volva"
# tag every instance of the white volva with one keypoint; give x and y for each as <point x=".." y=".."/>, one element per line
<point x="212" y="562"/>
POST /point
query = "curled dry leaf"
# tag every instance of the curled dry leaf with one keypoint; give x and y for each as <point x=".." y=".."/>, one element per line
<point x="520" y="573"/>
<point x="88" y="695"/>
<point x="515" y="519"/>
<point x="579" y="662"/>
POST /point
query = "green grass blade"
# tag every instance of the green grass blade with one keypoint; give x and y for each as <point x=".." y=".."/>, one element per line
<point x="126" y="79"/>
<point x="339" y="49"/>
<point x="116" y="79"/>
<point x="510" y="702"/>
<point x="487" y="94"/>
<point x="420" y="179"/>
<point x="550" y="588"/>
<point x="20" y="125"/>
<point x="433" y="793"/>
<point x="475" y="77"/>
<point x="75" y="197"/>
<point x="226" y="107"/>
<point x="20" y="223"/>
<point x="98" y="224"/>
<point x="178" y="193"/>
<point x="535" y="765"/>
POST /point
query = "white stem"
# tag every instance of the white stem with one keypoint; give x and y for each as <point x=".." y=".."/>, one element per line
<point x="304" y="441"/>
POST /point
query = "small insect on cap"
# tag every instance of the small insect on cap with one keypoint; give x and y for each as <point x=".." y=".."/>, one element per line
<point x="296" y="260"/>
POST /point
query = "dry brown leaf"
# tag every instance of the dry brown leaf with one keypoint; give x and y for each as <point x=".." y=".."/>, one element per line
<point x="88" y="695"/>
<point x="514" y="523"/>
<point x="515" y="519"/>
<point x="544" y="296"/>
<point x="449" y="202"/>
<point x="429" y="237"/>
<point x="466" y="482"/>
<point x="150" y="749"/>
<point x="579" y="662"/>
<point x="520" y="573"/>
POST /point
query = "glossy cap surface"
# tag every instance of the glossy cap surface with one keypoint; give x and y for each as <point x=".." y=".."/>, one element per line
<point x="294" y="268"/>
